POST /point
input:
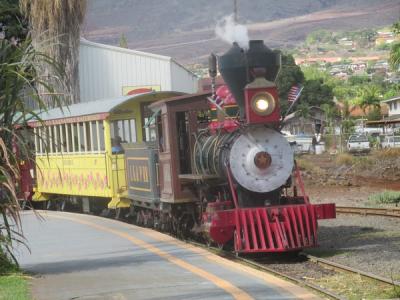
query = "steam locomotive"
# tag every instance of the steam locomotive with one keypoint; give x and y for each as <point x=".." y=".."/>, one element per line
<point x="234" y="178"/>
<point x="212" y="165"/>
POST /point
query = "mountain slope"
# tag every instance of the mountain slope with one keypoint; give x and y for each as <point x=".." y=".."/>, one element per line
<point x="184" y="29"/>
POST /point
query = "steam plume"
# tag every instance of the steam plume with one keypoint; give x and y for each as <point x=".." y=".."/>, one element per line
<point x="230" y="32"/>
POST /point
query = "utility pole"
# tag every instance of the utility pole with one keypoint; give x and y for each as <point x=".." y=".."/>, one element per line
<point x="235" y="10"/>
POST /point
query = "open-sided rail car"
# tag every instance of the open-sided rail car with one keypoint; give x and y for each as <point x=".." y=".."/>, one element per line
<point x="79" y="153"/>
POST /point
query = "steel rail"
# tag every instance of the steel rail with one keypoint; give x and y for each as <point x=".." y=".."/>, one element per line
<point x="256" y="265"/>
<point x="372" y="211"/>
<point x="289" y="277"/>
<point x="314" y="259"/>
<point x="349" y="269"/>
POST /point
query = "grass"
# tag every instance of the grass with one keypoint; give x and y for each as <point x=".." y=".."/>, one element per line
<point x="354" y="286"/>
<point x="385" y="197"/>
<point x="344" y="159"/>
<point x="13" y="287"/>
<point x="388" y="153"/>
<point x="307" y="165"/>
<point x="13" y="284"/>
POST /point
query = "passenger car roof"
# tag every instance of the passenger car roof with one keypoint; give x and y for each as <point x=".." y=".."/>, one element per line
<point x="98" y="109"/>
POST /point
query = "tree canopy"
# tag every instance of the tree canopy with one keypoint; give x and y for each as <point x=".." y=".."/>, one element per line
<point x="315" y="92"/>
<point x="12" y="21"/>
<point x="290" y="74"/>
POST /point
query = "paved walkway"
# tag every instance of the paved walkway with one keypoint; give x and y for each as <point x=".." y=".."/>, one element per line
<point x="75" y="256"/>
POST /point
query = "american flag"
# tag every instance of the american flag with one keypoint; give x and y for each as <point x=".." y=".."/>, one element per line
<point x="219" y="101"/>
<point x="294" y="93"/>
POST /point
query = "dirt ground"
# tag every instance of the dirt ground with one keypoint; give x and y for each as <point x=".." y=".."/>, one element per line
<point x="349" y="180"/>
<point x="368" y="243"/>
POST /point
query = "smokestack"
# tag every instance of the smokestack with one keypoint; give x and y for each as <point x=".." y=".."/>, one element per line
<point x="236" y="65"/>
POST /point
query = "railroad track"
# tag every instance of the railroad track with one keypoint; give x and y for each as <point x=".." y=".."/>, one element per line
<point x="384" y="212"/>
<point x="325" y="264"/>
<point x="264" y="266"/>
<point x="301" y="282"/>
<point x="344" y="268"/>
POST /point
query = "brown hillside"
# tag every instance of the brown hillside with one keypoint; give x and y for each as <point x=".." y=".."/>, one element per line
<point x="182" y="30"/>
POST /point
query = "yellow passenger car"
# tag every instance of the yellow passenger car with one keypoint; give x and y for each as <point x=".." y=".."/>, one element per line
<point x="78" y="149"/>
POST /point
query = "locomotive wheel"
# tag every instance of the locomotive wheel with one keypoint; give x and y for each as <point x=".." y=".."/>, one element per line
<point x="47" y="205"/>
<point x="23" y="204"/>
<point x="117" y="213"/>
<point x="60" y="205"/>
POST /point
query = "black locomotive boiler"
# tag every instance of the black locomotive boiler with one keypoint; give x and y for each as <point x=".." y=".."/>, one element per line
<point x="219" y="167"/>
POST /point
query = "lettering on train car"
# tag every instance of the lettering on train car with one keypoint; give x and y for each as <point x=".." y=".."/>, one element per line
<point x="138" y="174"/>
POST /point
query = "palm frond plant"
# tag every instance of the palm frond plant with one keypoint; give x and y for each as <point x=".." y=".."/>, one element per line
<point x="19" y="82"/>
<point x="394" y="58"/>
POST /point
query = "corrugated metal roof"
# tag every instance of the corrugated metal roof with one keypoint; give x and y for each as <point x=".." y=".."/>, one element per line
<point x="391" y="99"/>
<point x="98" y="106"/>
<point x="108" y="71"/>
<point x="135" y="52"/>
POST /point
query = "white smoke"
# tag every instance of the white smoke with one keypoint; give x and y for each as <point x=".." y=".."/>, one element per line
<point x="230" y="32"/>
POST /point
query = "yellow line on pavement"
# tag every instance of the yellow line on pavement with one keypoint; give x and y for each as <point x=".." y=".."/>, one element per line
<point x="298" y="291"/>
<point x="223" y="284"/>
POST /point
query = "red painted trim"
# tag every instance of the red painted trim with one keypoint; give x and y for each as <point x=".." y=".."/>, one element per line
<point x="86" y="118"/>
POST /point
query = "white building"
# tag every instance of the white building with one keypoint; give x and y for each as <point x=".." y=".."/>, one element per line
<point x="394" y="106"/>
<point x="107" y="71"/>
<point x="392" y="122"/>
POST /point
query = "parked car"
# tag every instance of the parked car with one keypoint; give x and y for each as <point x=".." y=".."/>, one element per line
<point x="358" y="144"/>
<point x="390" y="141"/>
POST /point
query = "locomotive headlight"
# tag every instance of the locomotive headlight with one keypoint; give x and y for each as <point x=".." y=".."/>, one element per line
<point x="263" y="103"/>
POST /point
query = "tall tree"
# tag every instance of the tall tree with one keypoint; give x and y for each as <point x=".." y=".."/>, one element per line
<point x="290" y="74"/>
<point x="316" y="93"/>
<point x="395" y="56"/>
<point x="369" y="96"/>
<point x="395" y="49"/>
<point x="55" y="28"/>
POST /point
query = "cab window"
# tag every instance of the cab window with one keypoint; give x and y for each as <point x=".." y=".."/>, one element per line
<point x="124" y="130"/>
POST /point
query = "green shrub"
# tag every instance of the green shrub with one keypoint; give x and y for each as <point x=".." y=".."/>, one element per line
<point x="385" y="197"/>
<point x="6" y="265"/>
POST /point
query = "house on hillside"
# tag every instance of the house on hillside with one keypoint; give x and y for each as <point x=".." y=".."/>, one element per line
<point x="346" y="42"/>
<point x="313" y="124"/>
<point x="384" y="37"/>
<point x="392" y="120"/>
